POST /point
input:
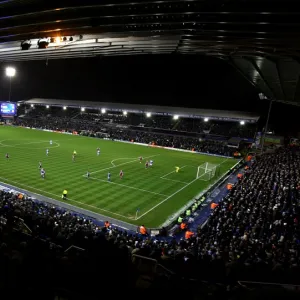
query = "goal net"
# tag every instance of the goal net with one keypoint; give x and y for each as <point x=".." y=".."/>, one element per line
<point x="206" y="171"/>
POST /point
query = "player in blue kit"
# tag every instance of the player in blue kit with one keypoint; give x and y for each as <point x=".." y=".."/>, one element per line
<point x="43" y="173"/>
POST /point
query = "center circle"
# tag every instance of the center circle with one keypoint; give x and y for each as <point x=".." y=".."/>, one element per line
<point x="28" y="144"/>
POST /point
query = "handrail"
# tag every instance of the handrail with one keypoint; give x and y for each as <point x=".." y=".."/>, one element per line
<point x="74" y="247"/>
<point x="295" y="286"/>
<point x="145" y="258"/>
<point x="166" y="269"/>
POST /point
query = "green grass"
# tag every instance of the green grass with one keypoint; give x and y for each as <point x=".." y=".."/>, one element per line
<point x="156" y="197"/>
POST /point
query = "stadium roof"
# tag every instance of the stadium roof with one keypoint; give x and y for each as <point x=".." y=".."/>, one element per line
<point x="258" y="37"/>
<point x="163" y="110"/>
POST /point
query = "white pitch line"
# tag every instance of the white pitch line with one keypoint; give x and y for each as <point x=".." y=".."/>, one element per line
<point x="128" y="162"/>
<point x="68" y="199"/>
<point x="112" y="162"/>
<point x="162" y="177"/>
<point x="160" y="203"/>
<point x="21" y="144"/>
<point x="16" y="145"/>
<point x="128" y="186"/>
<point x="174" y="180"/>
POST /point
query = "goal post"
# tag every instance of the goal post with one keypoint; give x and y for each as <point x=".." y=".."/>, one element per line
<point x="206" y="171"/>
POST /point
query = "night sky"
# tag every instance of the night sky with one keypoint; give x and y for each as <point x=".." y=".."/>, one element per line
<point x="166" y="80"/>
<point x="188" y="81"/>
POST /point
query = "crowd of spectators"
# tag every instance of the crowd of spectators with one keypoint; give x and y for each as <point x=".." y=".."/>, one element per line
<point x="96" y="127"/>
<point x="253" y="234"/>
<point x="180" y="142"/>
<point x="224" y="128"/>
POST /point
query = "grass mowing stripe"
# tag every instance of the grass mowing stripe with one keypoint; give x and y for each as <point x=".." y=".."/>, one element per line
<point x="60" y="171"/>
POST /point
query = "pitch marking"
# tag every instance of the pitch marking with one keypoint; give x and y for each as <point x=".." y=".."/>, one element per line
<point x="175" y="180"/>
<point x="128" y="186"/>
<point x="40" y="142"/>
<point x="72" y="200"/>
<point x="126" y="163"/>
<point x="163" y="177"/>
<point x="112" y="162"/>
<point x="160" y="203"/>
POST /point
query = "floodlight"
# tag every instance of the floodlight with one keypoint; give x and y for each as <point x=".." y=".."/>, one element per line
<point x="148" y="115"/>
<point x="57" y="40"/>
<point x="82" y="109"/>
<point x="10" y="72"/>
<point x="242" y="122"/>
<point x="176" y="117"/>
<point x="205" y="119"/>
<point x="125" y="113"/>
<point x="103" y="111"/>
<point x="47" y="106"/>
<point x="65" y="107"/>
<point x="32" y="105"/>
<point x="18" y="104"/>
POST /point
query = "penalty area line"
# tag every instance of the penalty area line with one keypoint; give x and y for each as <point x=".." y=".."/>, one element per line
<point x="126" y="163"/>
<point x="160" y="203"/>
<point x="128" y="186"/>
<point x="184" y="182"/>
<point x="163" y="177"/>
<point x="122" y="158"/>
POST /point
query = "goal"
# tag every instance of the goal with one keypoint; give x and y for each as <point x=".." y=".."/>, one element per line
<point x="206" y="171"/>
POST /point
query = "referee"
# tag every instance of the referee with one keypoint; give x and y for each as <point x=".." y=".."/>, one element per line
<point x="64" y="194"/>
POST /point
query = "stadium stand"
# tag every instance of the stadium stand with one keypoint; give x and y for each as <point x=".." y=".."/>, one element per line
<point x="185" y="133"/>
<point x="191" y="125"/>
<point x="253" y="234"/>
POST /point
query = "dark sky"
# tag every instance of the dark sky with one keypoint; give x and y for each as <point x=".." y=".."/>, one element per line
<point x="188" y="81"/>
<point x="166" y="80"/>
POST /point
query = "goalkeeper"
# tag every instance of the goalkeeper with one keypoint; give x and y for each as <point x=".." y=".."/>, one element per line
<point x="177" y="169"/>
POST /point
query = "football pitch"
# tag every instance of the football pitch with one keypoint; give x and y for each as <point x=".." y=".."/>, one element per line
<point x="142" y="196"/>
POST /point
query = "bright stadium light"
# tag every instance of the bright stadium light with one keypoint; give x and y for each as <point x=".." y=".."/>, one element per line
<point x="47" y="106"/>
<point x="148" y="115"/>
<point x="82" y="109"/>
<point x="18" y="104"/>
<point x="242" y="122"/>
<point x="125" y="113"/>
<point x="10" y="72"/>
<point x="57" y="40"/>
<point x="65" y="107"/>
<point x="176" y="117"/>
<point x="205" y="119"/>
<point x="32" y="105"/>
<point x="103" y="111"/>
